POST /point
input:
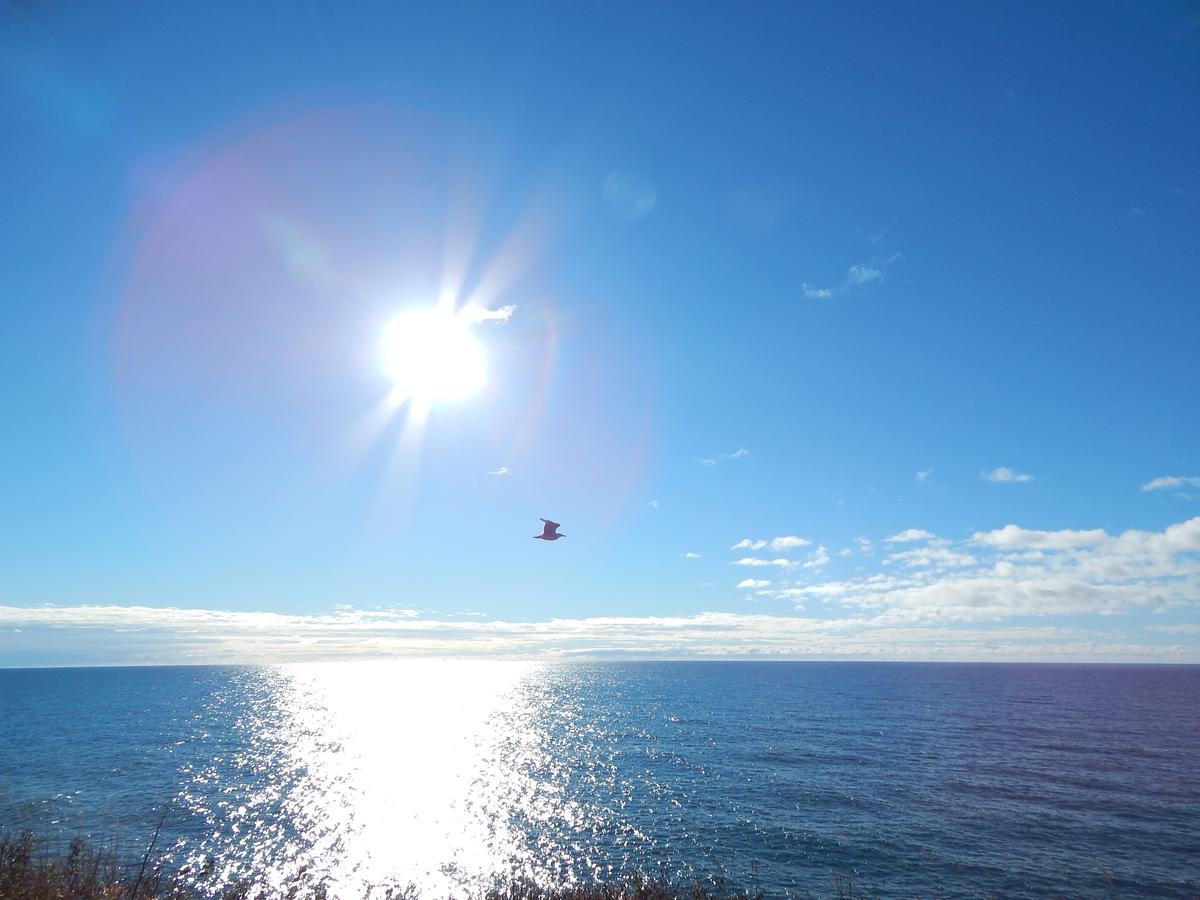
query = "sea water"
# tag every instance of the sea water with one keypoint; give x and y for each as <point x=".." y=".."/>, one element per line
<point x="910" y="779"/>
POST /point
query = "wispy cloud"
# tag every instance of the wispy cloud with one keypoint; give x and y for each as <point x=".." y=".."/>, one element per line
<point x="1004" y="473"/>
<point x="653" y="504"/>
<point x="936" y="557"/>
<point x="924" y="474"/>
<point x="864" y="273"/>
<point x="780" y="544"/>
<point x="1170" y="482"/>
<point x="691" y="555"/>
<point x="754" y="561"/>
<point x="908" y="535"/>
<point x="747" y="544"/>
<point x="858" y="275"/>
<point x="747" y="583"/>
<point x="739" y="453"/>
<point x="1186" y="628"/>
<point x="1182" y="629"/>
<point x="503" y="470"/>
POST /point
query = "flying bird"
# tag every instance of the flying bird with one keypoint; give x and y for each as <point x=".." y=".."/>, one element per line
<point x="549" y="531"/>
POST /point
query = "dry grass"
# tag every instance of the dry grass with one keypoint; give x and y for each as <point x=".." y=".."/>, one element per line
<point x="28" y="872"/>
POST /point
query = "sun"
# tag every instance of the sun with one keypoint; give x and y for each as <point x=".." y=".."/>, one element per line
<point x="432" y="357"/>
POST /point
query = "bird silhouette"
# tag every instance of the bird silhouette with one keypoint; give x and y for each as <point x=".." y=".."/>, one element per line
<point x="549" y="531"/>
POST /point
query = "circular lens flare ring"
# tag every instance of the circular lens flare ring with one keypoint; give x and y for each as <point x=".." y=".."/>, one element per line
<point x="431" y="355"/>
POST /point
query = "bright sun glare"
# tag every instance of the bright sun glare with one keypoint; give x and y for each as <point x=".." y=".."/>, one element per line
<point x="431" y="355"/>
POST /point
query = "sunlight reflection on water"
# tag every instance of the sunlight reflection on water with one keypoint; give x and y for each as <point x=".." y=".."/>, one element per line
<point x="386" y="773"/>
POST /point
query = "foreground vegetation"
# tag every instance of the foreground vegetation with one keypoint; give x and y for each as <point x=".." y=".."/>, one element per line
<point x="84" y="871"/>
<point x="29" y="871"/>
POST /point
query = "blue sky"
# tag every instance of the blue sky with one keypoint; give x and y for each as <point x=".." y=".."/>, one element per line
<point x="816" y="276"/>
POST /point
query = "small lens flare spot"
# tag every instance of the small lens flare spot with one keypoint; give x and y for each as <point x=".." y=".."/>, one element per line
<point x="431" y="356"/>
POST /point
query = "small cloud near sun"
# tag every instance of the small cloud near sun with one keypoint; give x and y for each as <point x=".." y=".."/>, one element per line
<point x="739" y="453"/>
<point x="477" y="314"/>
<point x="857" y="276"/>
<point x="503" y="470"/>
<point x="1005" y="474"/>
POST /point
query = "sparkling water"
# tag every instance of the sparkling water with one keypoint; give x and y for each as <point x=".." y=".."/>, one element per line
<point x="932" y="779"/>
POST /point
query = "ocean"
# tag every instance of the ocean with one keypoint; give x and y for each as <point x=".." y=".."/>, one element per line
<point x="939" y="780"/>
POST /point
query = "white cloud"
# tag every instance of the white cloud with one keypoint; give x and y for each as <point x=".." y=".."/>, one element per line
<point x="755" y="561"/>
<point x="815" y="293"/>
<point x="845" y="551"/>
<point x="788" y="542"/>
<point x="708" y="462"/>
<point x="1015" y="536"/>
<point x="477" y="314"/>
<point x="753" y="583"/>
<point x="503" y="470"/>
<point x="937" y="557"/>
<point x="924" y="474"/>
<point x="1175" y="629"/>
<point x="779" y="544"/>
<point x="864" y="544"/>
<point x="691" y="555"/>
<point x="908" y="535"/>
<point x="653" y="504"/>
<point x="817" y="559"/>
<point x="1167" y="482"/>
<point x="738" y="453"/>
<point x="864" y="273"/>
<point x="1024" y="573"/>
<point x="1004" y="473"/>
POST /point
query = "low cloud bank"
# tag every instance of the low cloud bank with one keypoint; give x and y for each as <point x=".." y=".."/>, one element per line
<point x="1007" y="594"/>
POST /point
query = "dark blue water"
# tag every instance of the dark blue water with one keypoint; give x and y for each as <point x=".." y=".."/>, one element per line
<point x="938" y="780"/>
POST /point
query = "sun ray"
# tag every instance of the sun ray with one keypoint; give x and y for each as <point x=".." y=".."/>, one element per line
<point x="523" y="246"/>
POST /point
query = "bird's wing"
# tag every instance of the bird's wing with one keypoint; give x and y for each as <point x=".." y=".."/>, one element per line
<point x="552" y="525"/>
